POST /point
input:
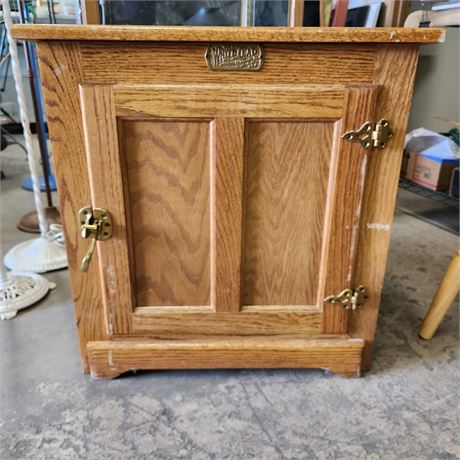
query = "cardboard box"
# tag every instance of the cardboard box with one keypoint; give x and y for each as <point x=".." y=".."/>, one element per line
<point x="430" y="162"/>
<point x="431" y="172"/>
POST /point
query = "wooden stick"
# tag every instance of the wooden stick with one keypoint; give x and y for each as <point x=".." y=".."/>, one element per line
<point x="340" y="13"/>
<point x="295" y="13"/>
<point x="448" y="290"/>
<point x="90" y="12"/>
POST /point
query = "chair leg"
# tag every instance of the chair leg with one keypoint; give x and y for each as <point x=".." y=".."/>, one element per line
<point x="448" y="289"/>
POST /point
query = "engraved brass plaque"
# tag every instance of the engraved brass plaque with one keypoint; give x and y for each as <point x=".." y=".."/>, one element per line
<point x="234" y="57"/>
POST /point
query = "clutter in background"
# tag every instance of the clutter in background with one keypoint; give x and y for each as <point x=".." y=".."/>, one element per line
<point x="454" y="184"/>
<point x="430" y="159"/>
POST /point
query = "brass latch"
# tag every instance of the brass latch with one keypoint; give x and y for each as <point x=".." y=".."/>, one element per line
<point x="350" y="299"/>
<point x="371" y="134"/>
<point x="95" y="223"/>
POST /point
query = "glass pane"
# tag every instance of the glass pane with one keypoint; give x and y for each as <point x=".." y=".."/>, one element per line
<point x="195" y="12"/>
<point x="173" y="12"/>
<point x="270" y="12"/>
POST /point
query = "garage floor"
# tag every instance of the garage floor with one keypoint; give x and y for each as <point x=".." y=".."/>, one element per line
<point x="407" y="407"/>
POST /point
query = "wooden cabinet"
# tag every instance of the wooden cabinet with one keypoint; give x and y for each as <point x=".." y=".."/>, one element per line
<point x="237" y="206"/>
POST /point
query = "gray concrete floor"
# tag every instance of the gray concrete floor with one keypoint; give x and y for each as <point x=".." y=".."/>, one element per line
<point x="407" y="407"/>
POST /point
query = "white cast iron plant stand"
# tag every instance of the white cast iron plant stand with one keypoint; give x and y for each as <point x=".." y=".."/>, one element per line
<point x="20" y="290"/>
<point x="47" y="252"/>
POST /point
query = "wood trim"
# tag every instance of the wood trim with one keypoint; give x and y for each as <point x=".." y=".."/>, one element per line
<point x="295" y="13"/>
<point x="227" y="213"/>
<point x="212" y="100"/>
<point x="106" y="184"/>
<point x="359" y="107"/>
<point x="235" y="34"/>
<point x="110" y="359"/>
<point x="395" y="13"/>
<point x="226" y="323"/>
<point x="401" y="12"/>
<point x="339" y="15"/>
<point x="394" y="73"/>
<point x="388" y="12"/>
<point x="325" y="12"/>
<point x="90" y="12"/>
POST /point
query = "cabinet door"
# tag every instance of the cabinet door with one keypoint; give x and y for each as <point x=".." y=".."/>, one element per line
<point x="235" y="208"/>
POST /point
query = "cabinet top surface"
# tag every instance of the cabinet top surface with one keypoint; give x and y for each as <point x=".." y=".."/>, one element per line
<point x="228" y="34"/>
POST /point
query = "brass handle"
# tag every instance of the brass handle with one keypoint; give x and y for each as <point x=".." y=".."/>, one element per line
<point x="95" y="223"/>
<point x="88" y="256"/>
<point x="87" y="229"/>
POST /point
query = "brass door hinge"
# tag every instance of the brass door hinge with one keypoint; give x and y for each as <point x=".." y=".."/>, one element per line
<point x="371" y="135"/>
<point x="95" y="223"/>
<point x="350" y="299"/>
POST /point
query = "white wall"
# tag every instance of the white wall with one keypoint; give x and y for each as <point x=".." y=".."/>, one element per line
<point x="436" y="91"/>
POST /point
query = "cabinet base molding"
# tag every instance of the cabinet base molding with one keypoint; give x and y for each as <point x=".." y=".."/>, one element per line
<point x="109" y="359"/>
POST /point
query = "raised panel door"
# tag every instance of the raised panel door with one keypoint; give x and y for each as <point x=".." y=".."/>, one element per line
<point x="235" y="207"/>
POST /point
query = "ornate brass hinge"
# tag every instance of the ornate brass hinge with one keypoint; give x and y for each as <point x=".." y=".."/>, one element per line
<point x="95" y="223"/>
<point x="371" y="135"/>
<point x="350" y="299"/>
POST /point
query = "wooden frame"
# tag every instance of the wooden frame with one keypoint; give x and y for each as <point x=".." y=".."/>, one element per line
<point x="90" y="12"/>
<point x="396" y="12"/>
<point x="295" y="13"/>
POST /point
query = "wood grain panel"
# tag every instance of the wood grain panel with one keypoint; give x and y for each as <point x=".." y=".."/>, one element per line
<point x="106" y="185"/>
<point x="231" y="34"/>
<point x="61" y="72"/>
<point x="394" y="74"/>
<point x="226" y="323"/>
<point x="228" y="213"/>
<point x="152" y="63"/>
<point x="286" y="185"/>
<point x="347" y="195"/>
<point x="256" y="101"/>
<point x="341" y="356"/>
<point x="168" y="170"/>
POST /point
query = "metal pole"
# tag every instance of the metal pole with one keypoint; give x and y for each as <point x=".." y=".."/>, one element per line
<point x="40" y="134"/>
<point x="247" y="13"/>
<point x="33" y="161"/>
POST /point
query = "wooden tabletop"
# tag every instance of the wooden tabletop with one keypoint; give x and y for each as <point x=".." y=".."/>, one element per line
<point x="229" y="34"/>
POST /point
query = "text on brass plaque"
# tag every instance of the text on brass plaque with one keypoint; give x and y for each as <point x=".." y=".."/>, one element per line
<point x="234" y="57"/>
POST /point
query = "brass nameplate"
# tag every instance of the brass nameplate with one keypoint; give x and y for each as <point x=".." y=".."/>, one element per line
<point x="234" y="57"/>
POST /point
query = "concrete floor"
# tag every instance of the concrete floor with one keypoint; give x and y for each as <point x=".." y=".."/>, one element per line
<point x="407" y="407"/>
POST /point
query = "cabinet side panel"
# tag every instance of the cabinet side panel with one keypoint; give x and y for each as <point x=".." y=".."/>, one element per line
<point x="287" y="168"/>
<point x="168" y="169"/>
<point x="60" y="72"/>
<point x="394" y="73"/>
